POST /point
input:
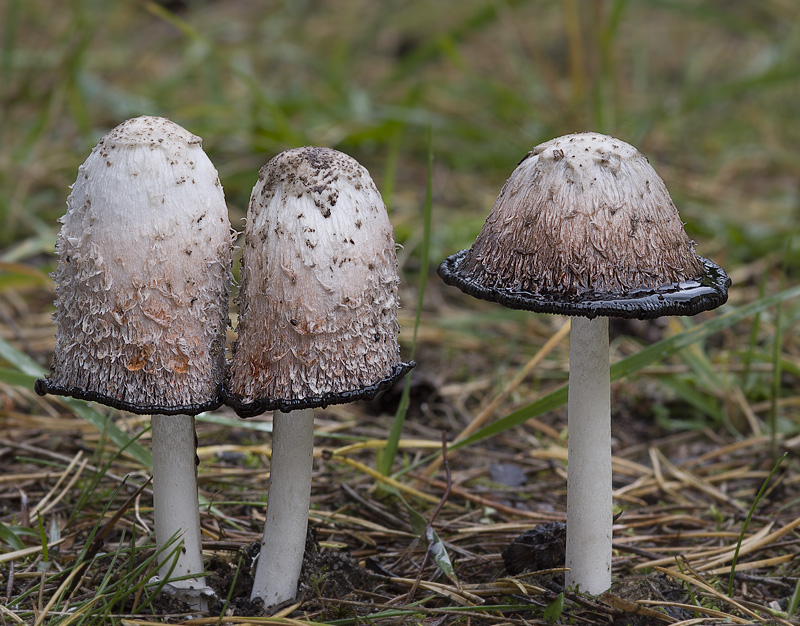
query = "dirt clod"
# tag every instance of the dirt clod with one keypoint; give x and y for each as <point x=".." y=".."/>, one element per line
<point x="540" y="548"/>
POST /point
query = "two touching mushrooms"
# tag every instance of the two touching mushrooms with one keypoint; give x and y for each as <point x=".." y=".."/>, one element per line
<point x="585" y="227"/>
<point x="142" y="309"/>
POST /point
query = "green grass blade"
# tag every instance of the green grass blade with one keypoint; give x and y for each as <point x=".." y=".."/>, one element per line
<point x="442" y="43"/>
<point x="10" y="29"/>
<point x="16" y="378"/>
<point x="8" y="536"/>
<point x="552" y="612"/>
<point x="747" y="521"/>
<point x="20" y="360"/>
<point x="43" y="538"/>
<point x="776" y="359"/>
<point x="386" y="456"/>
<point x="704" y="402"/>
<point x="679" y="562"/>
<point x="705" y="374"/>
<point x="234" y="422"/>
<point x="634" y="363"/>
<point x="753" y="342"/>
<point x="230" y="590"/>
<point x="102" y="423"/>
<point x="624" y="368"/>
<point x="795" y="600"/>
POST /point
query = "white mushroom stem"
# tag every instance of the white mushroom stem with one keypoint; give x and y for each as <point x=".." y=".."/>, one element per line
<point x="589" y="503"/>
<point x="176" y="509"/>
<point x="284" y="542"/>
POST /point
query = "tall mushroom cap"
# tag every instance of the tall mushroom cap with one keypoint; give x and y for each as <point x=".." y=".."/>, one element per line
<point x="143" y="275"/>
<point x="585" y="226"/>
<point x="318" y="301"/>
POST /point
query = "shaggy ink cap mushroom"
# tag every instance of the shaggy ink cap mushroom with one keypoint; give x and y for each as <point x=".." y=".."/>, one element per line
<point x="143" y="275"/>
<point x="585" y="227"/>
<point x="318" y="301"/>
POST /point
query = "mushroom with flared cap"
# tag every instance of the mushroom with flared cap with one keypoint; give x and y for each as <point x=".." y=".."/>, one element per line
<point x="317" y="326"/>
<point x="142" y="306"/>
<point x="585" y="227"/>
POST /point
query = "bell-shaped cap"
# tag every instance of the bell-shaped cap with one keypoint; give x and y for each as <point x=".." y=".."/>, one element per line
<point x="143" y="275"/>
<point x="318" y="300"/>
<point x="584" y="226"/>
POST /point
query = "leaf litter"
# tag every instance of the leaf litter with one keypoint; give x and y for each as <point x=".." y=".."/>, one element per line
<point x="682" y="497"/>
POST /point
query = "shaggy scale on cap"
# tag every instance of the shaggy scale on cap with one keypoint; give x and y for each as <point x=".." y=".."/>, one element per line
<point x="318" y="301"/>
<point x="143" y="275"/>
<point x="585" y="226"/>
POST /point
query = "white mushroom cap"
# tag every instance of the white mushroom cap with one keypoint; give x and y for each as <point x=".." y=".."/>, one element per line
<point x="318" y="300"/>
<point x="585" y="226"/>
<point x="143" y="274"/>
<point x="585" y="211"/>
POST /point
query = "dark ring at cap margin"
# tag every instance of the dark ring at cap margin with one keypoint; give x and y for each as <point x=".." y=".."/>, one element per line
<point x="703" y="293"/>
<point x="43" y="386"/>
<point x="260" y="405"/>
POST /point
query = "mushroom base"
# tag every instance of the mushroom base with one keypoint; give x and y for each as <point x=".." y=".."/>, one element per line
<point x="367" y="392"/>
<point x="176" y="512"/>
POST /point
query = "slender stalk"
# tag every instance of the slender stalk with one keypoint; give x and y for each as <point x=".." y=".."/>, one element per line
<point x="284" y="542"/>
<point x="589" y="507"/>
<point x="176" y="509"/>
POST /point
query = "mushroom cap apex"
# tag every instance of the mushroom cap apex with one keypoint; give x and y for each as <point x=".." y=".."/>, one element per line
<point x="149" y="129"/>
<point x="588" y="145"/>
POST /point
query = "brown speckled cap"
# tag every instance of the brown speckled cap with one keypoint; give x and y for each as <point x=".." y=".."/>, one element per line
<point x="143" y="275"/>
<point x="584" y="226"/>
<point x="318" y="301"/>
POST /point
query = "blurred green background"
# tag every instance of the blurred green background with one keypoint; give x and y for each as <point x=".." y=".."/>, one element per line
<point x="708" y="90"/>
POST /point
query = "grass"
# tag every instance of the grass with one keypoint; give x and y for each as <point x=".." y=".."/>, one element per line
<point x="385" y="459"/>
<point x="708" y="90"/>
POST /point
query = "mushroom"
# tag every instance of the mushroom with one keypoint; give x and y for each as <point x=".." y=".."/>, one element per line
<point x="585" y="227"/>
<point x="142" y="307"/>
<point x="317" y="326"/>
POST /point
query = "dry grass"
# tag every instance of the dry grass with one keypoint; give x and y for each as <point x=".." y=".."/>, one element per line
<point x="684" y="497"/>
<point x="707" y="90"/>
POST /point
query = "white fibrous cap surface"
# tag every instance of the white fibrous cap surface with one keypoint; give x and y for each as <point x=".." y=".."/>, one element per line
<point x="318" y="301"/>
<point x="144" y="271"/>
<point x="583" y="212"/>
